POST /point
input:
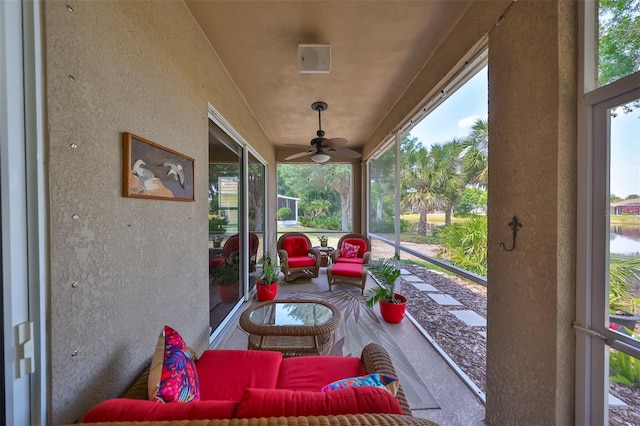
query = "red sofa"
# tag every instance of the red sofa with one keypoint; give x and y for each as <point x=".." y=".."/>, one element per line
<point x="253" y="384"/>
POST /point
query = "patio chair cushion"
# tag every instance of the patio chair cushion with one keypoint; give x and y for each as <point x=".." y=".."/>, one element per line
<point x="173" y="376"/>
<point x="353" y="260"/>
<point x="295" y="246"/>
<point x="301" y="261"/>
<point x="310" y="373"/>
<point x="285" y="403"/>
<point x="347" y="269"/>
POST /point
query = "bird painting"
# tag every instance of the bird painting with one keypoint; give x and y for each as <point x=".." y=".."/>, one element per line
<point x="176" y="171"/>
<point x="145" y="176"/>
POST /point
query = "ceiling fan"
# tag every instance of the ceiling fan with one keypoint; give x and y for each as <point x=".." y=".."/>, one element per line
<point x="322" y="149"/>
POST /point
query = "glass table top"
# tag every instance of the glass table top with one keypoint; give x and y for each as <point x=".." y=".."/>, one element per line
<point x="288" y="314"/>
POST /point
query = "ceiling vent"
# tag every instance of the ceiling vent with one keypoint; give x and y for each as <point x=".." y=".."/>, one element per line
<point x="314" y="58"/>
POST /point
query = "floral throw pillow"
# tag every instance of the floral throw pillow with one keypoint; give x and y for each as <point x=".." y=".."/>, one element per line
<point x="349" y="250"/>
<point x="390" y="383"/>
<point x="173" y="376"/>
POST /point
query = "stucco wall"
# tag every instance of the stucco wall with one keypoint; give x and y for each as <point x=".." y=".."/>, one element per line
<point x="145" y="68"/>
<point x="532" y="104"/>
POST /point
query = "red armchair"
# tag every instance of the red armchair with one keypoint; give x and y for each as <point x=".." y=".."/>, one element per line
<point x="218" y="258"/>
<point x="346" y="254"/>
<point x="298" y="259"/>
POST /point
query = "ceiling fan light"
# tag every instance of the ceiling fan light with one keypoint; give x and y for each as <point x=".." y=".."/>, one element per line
<point x="320" y="157"/>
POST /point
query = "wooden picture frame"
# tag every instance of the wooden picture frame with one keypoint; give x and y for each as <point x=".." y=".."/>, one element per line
<point x="156" y="172"/>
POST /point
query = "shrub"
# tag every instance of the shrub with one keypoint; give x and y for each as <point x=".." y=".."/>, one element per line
<point x="284" y="213"/>
<point x="217" y="223"/>
<point x="623" y="368"/>
<point x="387" y="226"/>
<point x="465" y="244"/>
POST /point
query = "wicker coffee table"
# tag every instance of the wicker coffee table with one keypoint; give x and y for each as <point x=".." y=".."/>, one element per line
<point x="293" y="327"/>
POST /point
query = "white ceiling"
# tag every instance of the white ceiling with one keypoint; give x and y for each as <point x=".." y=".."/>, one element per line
<point x="377" y="49"/>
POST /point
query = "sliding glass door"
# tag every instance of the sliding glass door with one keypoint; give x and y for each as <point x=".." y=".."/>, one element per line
<point x="225" y="225"/>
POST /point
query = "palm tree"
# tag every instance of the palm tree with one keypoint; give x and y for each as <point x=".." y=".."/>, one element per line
<point x="449" y="181"/>
<point x="475" y="154"/>
<point x="433" y="181"/>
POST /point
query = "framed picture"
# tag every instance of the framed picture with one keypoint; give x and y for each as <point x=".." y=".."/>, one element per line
<point x="154" y="171"/>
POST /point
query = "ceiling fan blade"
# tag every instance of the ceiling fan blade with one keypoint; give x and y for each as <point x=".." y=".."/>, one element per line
<point x="300" y="154"/>
<point x="334" y="142"/>
<point x="343" y="152"/>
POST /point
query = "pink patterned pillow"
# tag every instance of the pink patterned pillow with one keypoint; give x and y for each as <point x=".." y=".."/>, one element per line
<point x="173" y="376"/>
<point x="349" y="250"/>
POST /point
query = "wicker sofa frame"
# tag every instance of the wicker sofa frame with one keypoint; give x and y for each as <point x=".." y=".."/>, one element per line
<point x="374" y="358"/>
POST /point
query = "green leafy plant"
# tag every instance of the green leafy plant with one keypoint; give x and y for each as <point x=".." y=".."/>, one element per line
<point x="465" y="244"/>
<point x="284" y="213"/>
<point x="622" y="271"/>
<point x="386" y="274"/>
<point x="624" y="368"/>
<point x="217" y="223"/>
<point x="323" y="239"/>
<point x="270" y="271"/>
<point x="229" y="273"/>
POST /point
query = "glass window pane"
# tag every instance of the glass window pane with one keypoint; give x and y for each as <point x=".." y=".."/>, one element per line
<point x="315" y="199"/>
<point x="256" y="215"/>
<point x="624" y="388"/>
<point x="618" y="39"/>
<point x="225" y="185"/>
<point x="624" y="218"/>
<point x="382" y="194"/>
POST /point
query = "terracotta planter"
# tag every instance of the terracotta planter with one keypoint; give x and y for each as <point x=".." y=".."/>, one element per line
<point x="393" y="312"/>
<point x="229" y="293"/>
<point x="266" y="291"/>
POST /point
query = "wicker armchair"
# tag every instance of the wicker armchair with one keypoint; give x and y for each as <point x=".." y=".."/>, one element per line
<point x="299" y="261"/>
<point x="374" y="358"/>
<point x="364" y="249"/>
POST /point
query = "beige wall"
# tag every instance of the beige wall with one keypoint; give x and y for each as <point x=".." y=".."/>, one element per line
<point x="532" y="174"/>
<point x="145" y="68"/>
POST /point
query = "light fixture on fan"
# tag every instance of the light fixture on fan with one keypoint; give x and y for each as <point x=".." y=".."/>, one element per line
<point x="320" y="157"/>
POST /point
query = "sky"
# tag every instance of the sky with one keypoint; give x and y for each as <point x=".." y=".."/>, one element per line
<point x="455" y="116"/>
<point x="625" y="154"/>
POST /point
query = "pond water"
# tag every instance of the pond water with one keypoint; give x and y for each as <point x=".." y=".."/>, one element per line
<point x="625" y="239"/>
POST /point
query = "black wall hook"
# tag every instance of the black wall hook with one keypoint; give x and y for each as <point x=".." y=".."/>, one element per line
<point x="514" y="225"/>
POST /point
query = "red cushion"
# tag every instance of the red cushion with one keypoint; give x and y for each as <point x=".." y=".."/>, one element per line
<point x="295" y="246"/>
<point x="311" y="373"/>
<point x="225" y="374"/>
<point x="130" y="410"/>
<point x="354" y="260"/>
<point x="282" y="402"/>
<point x="347" y="269"/>
<point x="301" y="261"/>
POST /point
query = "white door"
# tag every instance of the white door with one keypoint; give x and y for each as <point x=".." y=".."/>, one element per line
<point x="21" y="213"/>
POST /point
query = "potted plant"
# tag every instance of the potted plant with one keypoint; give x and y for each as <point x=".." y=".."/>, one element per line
<point x="267" y="284"/>
<point x="227" y="277"/>
<point x="323" y="240"/>
<point x="385" y="274"/>
<point x="217" y="226"/>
